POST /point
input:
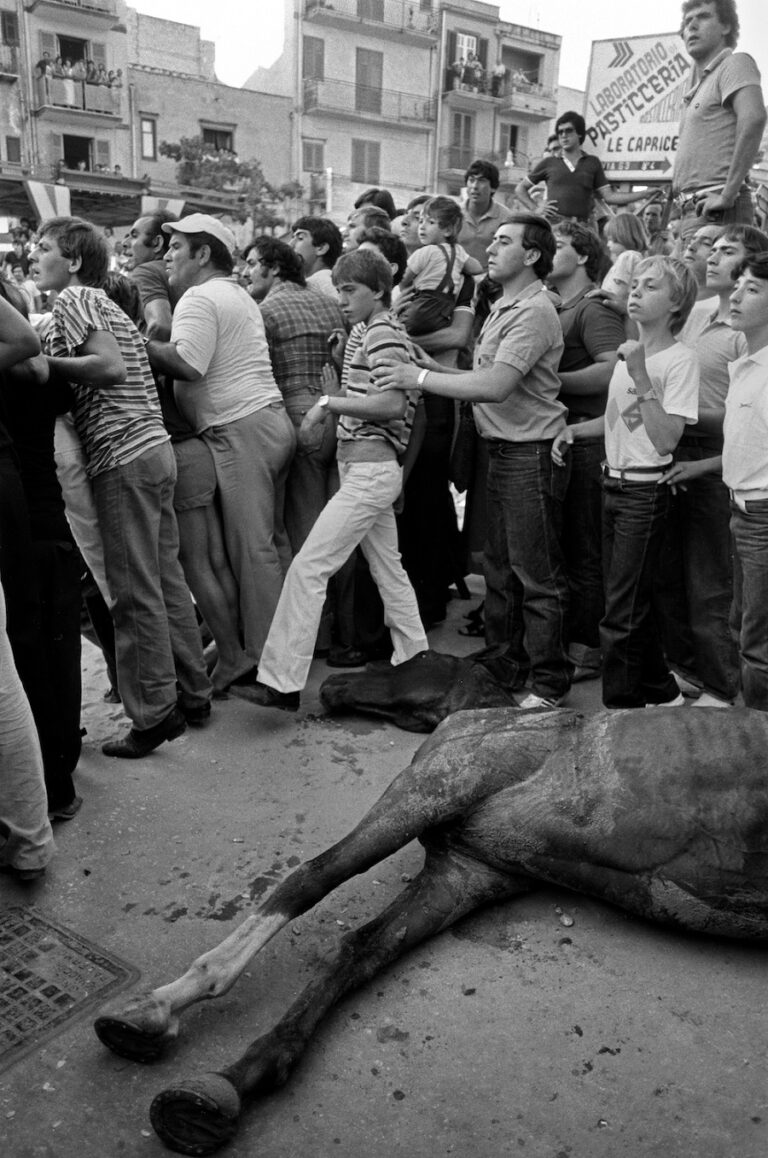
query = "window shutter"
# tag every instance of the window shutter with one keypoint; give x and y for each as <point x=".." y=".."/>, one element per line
<point x="98" y="54"/>
<point x="10" y="28"/>
<point x="482" y="52"/>
<point x="13" y="150"/>
<point x="101" y="153"/>
<point x="451" y="47"/>
<point x="49" y="43"/>
<point x="56" y="146"/>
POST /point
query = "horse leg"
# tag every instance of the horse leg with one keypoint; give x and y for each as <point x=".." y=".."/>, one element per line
<point x="201" y="1114"/>
<point x="433" y="790"/>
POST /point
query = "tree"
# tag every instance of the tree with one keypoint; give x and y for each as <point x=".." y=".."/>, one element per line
<point x="200" y="166"/>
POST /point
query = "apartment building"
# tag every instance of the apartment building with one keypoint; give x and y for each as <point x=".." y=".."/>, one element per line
<point x="405" y="93"/>
<point x="88" y="143"/>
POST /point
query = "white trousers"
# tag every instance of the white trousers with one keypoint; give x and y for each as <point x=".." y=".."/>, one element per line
<point x="359" y="513"/>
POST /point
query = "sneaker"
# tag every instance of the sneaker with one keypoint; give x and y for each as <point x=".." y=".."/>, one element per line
<point x="68" y="812"/>
<point x="267" y="697"/>
<point x="140" y="742"/>
<point x="677" y="702"/>
<point x="531" y="701"/>
<point x="707" y="700"/>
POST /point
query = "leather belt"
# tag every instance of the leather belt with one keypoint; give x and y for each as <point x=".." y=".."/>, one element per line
<point x="740" y="499"/>
<point x="641" y="474"/>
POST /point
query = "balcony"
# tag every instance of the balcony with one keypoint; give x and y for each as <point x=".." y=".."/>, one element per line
<point x="344" y="98"/>
<point x="9" y="62"/>
<point x="401" y="18"/>
<point x="514" y="91"/>
<point x="456" y="159"/>
<point x="77" y="96"/>
<point x="99" y="8"/>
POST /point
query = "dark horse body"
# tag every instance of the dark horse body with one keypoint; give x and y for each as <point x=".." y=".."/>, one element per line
<point x="663" y="813"/>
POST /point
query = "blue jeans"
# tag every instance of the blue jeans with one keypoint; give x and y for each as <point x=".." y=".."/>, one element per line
<point x="157" y="640"/>
<point x="695" y="586"/>
<point x="749" y="615"/>
<point x="635" y="672"/>
<point x="526" y="601"/>
<point x="583" y="542"/>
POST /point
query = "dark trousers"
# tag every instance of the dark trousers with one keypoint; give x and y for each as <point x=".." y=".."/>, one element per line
<point x="526" y="601"/>
<point x="583" y="542"/>
<point x="634" y="669"/>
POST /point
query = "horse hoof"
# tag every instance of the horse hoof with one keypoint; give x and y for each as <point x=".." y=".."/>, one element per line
<point x="127" y="1040"/>
<point x="198" y="1117"/>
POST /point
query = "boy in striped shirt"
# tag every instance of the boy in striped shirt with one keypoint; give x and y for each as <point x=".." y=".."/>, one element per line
<point x="373" y="433"/>
<point x="96" y="347"/>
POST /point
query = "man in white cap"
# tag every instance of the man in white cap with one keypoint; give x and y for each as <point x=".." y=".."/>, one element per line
<point x="226" y="391"/>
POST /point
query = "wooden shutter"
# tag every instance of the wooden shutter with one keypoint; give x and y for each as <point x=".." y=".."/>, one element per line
<point x="98" y="54"/>
<point x="56" y="148"/>
<point x="10" y="28"/>
<point x="13" y="150"/>
<point x="482" y="52"/>
<point x="49" y="43"/>
<point x="101" y="154"/>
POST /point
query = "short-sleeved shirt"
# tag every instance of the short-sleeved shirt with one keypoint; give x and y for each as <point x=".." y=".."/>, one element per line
<point x="117" y="423"/>
<point x="620" y="276"/>
<point x="716" y="344"/>
<point x="151" y="280"/>
<point x="745" y="429"/>
<point x="298" y="322"/>
<point x="589" y="329"/>
<point x="523" y="333"/>
<point x="674" y="375"/>
<point x="430" y="262"/>
<point x="322" y="281"/>
<point x="573" y="191"/>
<point x="707" y="134"/>
<point x="382" y="340"/>
<point x="477" y="234"/>
<point x="217" y="329"/>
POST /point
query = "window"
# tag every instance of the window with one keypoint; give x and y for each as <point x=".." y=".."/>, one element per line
<point x="368" y="78"/>
<point x="314" y="58"/>
<point x="465" y="45"/>
<point x="312" y="156"/>
<point x="366" y="156"/>
<point x="13" y="150"/>
<point x="218" y="139"/>
<point x="9" y="28"/>
<point x="462" y="136"/>
<point x="148" y="139"/>
<point x="371" y="10"/>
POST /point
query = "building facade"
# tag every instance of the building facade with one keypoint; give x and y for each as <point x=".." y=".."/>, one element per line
<point x="88" y="141"/>
<point x="405" y="93"/>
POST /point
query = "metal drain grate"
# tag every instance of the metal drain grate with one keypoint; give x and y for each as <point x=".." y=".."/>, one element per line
<point x="48" y="975"/>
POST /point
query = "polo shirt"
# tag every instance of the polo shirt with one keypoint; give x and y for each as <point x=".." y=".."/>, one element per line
<point x="707" y="133"/>
<point x="745" y="430"/>
<point x="572" y="191"/>
<point x="716" y="344"/>
<point x="589" y="328"/>
<point x="524" y="333"/>
<point x="477" y="235"/>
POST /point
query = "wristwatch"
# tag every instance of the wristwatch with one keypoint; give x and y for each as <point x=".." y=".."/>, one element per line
<point x="323" y="400"/>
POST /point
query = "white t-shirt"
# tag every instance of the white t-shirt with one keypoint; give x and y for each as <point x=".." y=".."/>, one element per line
<point x="674" y="375"/>
<point x="218" y="330"/>
<point x="429" y="265"/>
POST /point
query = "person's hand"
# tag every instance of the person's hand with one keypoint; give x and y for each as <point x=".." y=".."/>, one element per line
<point x="424" y="360"/>
<point x="311" y="430"/>
<point x="337" y="344"/>
<point x="39" y="368"/>
<point x="713" y="205"/>
<point x="549" y="209"/>
<point x="681" y="473"/>
<point x="399" y="503"/>
<point x="403" y="299"/>
<point x="561" y="446"/>
<point x="610" y="300"/>
<point x="329" y="379"/>
<point x="396" y="376"/>
<point x="633" y="353"/>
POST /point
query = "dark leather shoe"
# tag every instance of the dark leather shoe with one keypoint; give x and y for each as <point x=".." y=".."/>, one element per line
<point x="346" y="657"/>
<point x="197" y="716"/>
<point x="140" y="743"/>
<point x="67" y="811"/>
<point x="267" y="697"/>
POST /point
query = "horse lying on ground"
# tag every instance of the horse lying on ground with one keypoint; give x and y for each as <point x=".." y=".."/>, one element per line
<point x="662" y="813"/>
<point x="419" y="694"/>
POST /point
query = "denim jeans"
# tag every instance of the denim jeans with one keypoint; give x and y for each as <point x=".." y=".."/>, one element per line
<point x="635" y="672"/>
<point x="749" y="615"/>
<point x="695" y="584"/>
<point x="583" y="542"/>
<point x="742" y="212"/>
<point x="526" y="601"/>
<point x="157" y="640"/>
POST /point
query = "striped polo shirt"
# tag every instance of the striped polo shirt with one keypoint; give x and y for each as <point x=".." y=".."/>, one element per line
<point x="115" y="423"/>
<point x="381" y="340"/>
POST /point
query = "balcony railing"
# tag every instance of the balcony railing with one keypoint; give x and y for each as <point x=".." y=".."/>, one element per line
<point x="487" y="83"/>
<point x="342" y="96"/>
<point x="9" y="60"/>
<point x="402" y="14"/>
<point x="99" y="7"/>
<point x="460" y="157"/>
<point x="62" y="92"/>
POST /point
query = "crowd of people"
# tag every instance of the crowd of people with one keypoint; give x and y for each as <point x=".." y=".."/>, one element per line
<point x="256" y="452"/>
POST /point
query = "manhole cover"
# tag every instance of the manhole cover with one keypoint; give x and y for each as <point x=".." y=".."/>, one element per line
<point x="48" y="975"/>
